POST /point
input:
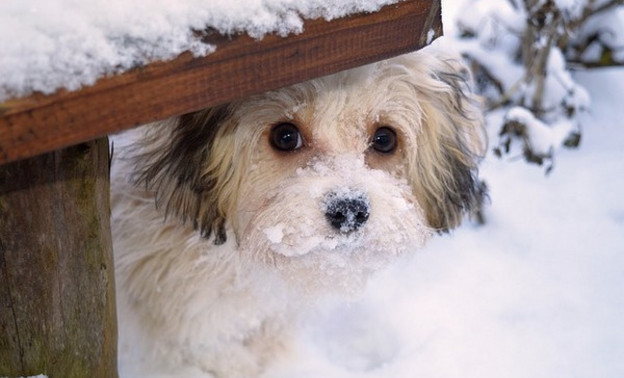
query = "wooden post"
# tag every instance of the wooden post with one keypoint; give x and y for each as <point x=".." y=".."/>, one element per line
<point x="57" y="298"/>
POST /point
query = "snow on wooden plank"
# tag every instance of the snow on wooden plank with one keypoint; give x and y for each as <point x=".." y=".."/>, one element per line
<point x="239" y="67"/>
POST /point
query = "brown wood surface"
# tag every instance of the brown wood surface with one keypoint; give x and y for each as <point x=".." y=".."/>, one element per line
<point x="57" y="297"/>
<point x="240" y="66"/>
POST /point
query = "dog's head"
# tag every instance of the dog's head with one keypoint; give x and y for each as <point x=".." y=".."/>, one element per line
<point x="338" y="173"/>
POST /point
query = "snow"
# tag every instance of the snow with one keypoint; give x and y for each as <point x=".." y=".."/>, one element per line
<point x="544" y="139"/>
<point x="612" y="37"/>
<point x="275" y="234"/>
<point x="52" y="44"/>
<point x="430" y="35"/>
<point x="571" y="8"/>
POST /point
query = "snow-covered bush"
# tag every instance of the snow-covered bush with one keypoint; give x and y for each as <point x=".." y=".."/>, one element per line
<point x="522" y="51"/>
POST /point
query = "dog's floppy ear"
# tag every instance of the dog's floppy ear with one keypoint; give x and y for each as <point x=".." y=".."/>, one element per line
<point x="451" y="144"/>
<point x="173" y="162"/>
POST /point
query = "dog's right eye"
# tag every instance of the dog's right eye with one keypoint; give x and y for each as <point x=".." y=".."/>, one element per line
<point x="285" y="137"/>
<point x="384" y="140"/>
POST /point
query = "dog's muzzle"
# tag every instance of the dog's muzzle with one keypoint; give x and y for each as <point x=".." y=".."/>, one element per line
<point x="346" y="210"/>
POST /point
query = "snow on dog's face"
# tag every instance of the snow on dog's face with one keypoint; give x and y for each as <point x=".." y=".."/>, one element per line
<point x="328" y="179"/>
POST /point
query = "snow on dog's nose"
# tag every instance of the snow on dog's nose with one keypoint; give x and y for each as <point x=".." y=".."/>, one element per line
<point x="346" y="211"/>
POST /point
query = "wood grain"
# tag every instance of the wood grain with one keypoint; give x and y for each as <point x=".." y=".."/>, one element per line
<point x="241" y="66"/>
<point x="57" y="294"/>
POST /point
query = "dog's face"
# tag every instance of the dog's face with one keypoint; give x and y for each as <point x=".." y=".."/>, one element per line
<point x="327" y="179"/>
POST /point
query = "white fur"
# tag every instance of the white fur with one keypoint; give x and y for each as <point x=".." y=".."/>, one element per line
<point x="227" y="309"/>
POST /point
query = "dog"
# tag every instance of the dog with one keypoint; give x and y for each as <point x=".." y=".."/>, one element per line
<point x="230" y="220"/>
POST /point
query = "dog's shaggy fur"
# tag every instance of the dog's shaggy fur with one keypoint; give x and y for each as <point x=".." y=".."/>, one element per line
<point x="226" y="220"/>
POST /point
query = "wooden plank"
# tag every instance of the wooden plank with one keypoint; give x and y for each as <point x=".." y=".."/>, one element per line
<point x="240" y="67"/>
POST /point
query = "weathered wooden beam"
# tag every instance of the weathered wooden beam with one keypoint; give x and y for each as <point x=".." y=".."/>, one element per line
<point x="240" y="66"/>
<point x="57" y="298"/>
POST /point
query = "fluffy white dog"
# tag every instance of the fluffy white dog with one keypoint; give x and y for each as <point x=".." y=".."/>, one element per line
<point x="228" y="220"/>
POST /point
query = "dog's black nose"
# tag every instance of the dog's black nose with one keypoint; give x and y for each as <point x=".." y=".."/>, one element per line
<point x="347" y="212"/>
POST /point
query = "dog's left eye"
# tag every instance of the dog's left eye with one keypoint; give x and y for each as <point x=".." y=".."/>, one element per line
<point x="384" y="140"/>
<point x="286" y="137"/>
